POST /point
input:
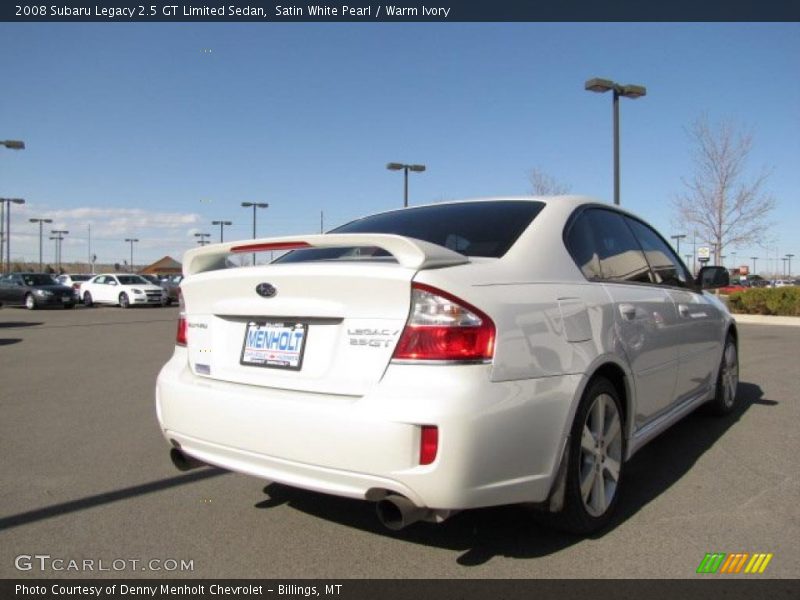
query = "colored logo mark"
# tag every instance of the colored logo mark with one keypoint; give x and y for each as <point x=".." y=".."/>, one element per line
<point x="738" y="562"/>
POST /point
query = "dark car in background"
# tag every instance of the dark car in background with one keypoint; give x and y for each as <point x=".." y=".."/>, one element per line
<point x="172" y="287"/>
<point x="34" y="290"/>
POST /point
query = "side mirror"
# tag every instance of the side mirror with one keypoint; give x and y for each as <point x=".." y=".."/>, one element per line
<point x="710" y="278"/>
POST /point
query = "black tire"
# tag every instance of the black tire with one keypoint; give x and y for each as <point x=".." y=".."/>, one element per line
<point x="724" y="401"/>
<point x="30" y="302"/>
<point x="166" y="302"/>
<point x="124" y="301"/>
<point x="87" y="300"/>
<point x="594" y="461"/>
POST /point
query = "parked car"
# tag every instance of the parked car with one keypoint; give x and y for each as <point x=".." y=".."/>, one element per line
<point x="121" y="289"/>
<point x="74" y="281"/>
<point x="172" y="286"/>
<point x="34" y="290"/>
<point x="448" y="357"/>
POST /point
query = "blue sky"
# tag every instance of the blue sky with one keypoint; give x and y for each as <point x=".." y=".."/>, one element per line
<point x="154" y="130"/>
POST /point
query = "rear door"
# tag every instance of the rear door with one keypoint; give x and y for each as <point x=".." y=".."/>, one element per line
<point x="646" y="319"/>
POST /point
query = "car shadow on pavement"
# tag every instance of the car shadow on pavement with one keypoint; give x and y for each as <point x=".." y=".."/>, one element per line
<point x="517" y="531"/>
<point x="9" y="341"/>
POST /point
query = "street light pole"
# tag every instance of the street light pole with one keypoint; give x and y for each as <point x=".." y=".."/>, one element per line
<point x="202" y="241"/>
<point x="131" y="240"/>
<point x="255" y="205"/>
<point x="40" y="221"/>
<point x="678" y="238"/>
<point x="405" y="168"/>
<point x="790" y="257"/>
<point x="59" y="233"/>
<point x="627" y="91"/>
<point x="221" y="225"/>
<point x="754" y="259"/>
<point x="7" y="202"/>
<point x="11" y="145"/>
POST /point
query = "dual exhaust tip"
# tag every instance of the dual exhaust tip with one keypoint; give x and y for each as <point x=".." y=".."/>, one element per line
<point x="395" y="512"/>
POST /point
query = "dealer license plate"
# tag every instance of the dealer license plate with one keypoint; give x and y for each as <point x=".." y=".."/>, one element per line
<point x="277" y="345"/>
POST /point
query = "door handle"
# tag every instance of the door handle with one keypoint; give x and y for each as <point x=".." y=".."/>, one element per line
<point x="683" y="310"/>
<point x="627" y="310"/>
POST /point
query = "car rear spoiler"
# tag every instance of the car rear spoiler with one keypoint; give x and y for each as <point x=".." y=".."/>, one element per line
<point x="409" y="252"/>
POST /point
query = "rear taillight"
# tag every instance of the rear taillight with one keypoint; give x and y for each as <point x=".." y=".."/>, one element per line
<point x="442" y="327"/>
<point x="180" y="336"/>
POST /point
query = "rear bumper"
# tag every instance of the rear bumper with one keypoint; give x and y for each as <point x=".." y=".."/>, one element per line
<point x="499" y="442"/>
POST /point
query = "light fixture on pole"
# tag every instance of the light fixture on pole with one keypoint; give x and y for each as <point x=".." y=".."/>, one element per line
<point x="678" y="238"/>
<point x="40" y="221"/>
<point x="12" y="145"/>
<point x="627" y="91"/>
<point x="203" y="238"/>
<point x="405" y="168"/>
<point x="255" y="205"/>
<point x="59" y="233"/>
<point x="132" y="241"/>
<point x="221" y="225"/>
<point x="7" y="202"/>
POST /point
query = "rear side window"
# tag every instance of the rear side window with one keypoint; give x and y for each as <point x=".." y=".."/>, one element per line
<point x="602" y="236"/>
<point x="471" y="228"/>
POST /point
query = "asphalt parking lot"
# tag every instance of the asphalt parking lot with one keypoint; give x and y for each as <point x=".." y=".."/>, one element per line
<point x="86" y="476"/>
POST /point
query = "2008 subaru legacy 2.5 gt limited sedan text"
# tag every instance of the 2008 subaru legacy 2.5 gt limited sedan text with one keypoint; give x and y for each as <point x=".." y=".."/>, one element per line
<point x="447" y="357"/>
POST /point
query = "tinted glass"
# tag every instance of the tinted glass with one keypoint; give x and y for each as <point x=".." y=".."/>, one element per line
<point x="38" y="279"/>
<point x="132" y="280"/>
<point x="471" y="228"/>
<point x="581" y="245"/>
<point x="665" y="266"/>
<point x="621" y="258"/>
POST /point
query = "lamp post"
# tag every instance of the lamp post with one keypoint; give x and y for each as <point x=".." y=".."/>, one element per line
<point x="678" y="238"/>
<point x="7" y="202"/>
<point x="405" y="168"/>
<point x="132" y="241"/>
<point x="11" y="145"/>
<point x="627" y="91"/>
<point x="203" y="238"/>
<point x="221" y="225"/>
<point x="59" y="233"/>
<point x="40" y="221"/>
<point x="754" y="259"/>
<point x="784" y="259"/>
<point x="790" y="257"/>
<point x="255" y="205"/>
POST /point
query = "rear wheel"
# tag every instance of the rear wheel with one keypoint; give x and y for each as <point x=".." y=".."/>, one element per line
<point x="597" y="448"/>
<point x="87" y="300"/>
<point x="724" y="401"/>
<point x="124" y="302"/>
<point x="30" y="302"/>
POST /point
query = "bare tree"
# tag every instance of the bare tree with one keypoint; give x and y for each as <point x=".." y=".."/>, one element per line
<point x="719" y="201"/>
<point x="543" y="184"/>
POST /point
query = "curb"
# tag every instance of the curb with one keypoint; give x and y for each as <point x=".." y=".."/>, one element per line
<point x="767" y="320"/>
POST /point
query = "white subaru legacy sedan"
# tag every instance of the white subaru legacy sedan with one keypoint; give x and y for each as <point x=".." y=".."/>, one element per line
<point x="447" y="357"/>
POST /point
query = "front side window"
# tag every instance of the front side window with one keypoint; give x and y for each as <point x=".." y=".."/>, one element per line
<point x="666" y="267"/>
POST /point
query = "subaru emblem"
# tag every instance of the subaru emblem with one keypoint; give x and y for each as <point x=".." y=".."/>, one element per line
<point x="265" y="290"/>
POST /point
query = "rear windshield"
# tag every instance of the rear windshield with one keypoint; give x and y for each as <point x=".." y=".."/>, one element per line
<point x="485" y="229"/>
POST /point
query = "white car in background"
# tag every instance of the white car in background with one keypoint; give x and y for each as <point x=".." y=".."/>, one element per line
<point x="125" y="290"/>
<point x="74" y="280"/>
<point x="447" y="357"/>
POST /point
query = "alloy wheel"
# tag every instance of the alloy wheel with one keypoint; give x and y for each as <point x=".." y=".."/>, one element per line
<point x="600" y="455"/>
